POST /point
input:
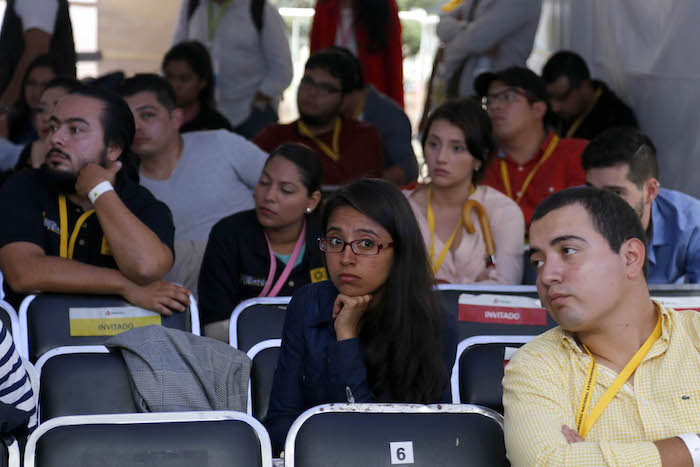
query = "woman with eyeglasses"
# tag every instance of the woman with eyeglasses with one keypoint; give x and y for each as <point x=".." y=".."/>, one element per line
<point x="473" y="233"/>
<point x="374" y="332"/>
<point x="267" y="251"/>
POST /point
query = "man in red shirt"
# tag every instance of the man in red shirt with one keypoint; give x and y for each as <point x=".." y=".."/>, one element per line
<point x="349" y="149"/>
<point x="532" y="162"/>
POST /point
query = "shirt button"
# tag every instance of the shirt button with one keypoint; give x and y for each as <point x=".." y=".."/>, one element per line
<point x="84" y="226"/>
<point x="551" y="189"/>
<point x="81" y="242"/>
<point x="520" y="168"/>
<point x="291" y="283"/>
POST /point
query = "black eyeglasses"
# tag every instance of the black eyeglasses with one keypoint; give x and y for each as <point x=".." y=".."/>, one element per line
<point x="363" y="246"/>
<point x="325" y="88"/>
<point x="507" y="96"/>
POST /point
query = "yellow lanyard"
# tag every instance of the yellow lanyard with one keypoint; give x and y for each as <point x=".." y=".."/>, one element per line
<point x="451" y="5"/>
<point x="583" y="426"/>
<point x="67" y="247"/>
<point x="506" y="179"/>
<point x="214" y="20"/>
<point x="431" y="226"/>
<point x="579" y="121"/>
<point x="332" y="152"/>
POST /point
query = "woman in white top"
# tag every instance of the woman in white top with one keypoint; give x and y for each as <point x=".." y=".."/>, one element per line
<point x="458" y="147"/>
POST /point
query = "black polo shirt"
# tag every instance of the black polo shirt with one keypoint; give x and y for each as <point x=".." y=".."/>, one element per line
<point x="237" y="261"/>
<point x="30" y="213"/>
<point x="609" y="112"/>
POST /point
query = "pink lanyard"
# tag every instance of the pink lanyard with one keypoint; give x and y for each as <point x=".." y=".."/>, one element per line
<point x="287" y="269"/>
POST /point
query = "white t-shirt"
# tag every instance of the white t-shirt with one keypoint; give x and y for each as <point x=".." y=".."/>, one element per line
<point x="39" y="14"/>
<point x="245" y="60"/>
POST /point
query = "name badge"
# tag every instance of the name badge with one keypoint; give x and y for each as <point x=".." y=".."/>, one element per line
<point x="109" y="321"/>
<point x="501" y="309"/>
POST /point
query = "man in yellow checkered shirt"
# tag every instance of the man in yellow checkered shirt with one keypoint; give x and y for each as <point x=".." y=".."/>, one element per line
<point x="618" y="382"/>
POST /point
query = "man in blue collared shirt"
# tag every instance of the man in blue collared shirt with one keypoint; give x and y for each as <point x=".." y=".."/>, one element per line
<point x="623" y="160"/>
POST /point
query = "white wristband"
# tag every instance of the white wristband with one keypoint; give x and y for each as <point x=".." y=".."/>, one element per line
<point x="692" y="442"/>
<point x="99" y="189"/>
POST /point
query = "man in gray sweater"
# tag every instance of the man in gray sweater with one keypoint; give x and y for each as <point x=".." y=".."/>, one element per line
<point x="202" y="176"/>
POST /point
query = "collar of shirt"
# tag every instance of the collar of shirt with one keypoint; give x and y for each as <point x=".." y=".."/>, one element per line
<point x="569" y="340"/>
<point x="540" y="152"/>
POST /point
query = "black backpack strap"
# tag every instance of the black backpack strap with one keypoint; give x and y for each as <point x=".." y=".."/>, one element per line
<point x="257" y="9"/>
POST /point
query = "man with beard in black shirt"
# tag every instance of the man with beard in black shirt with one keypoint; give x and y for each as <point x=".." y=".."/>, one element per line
<point x="81" y="224"/>
<point x="586" y="107"/>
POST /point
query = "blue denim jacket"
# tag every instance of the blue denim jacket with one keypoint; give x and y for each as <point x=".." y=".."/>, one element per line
<point x="314" y="368"/>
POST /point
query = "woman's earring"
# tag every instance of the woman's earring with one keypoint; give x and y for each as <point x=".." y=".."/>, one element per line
<point x="308" y="210"/>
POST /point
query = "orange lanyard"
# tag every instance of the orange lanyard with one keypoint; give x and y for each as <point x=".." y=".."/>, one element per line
<point x="506" y="179"/>
<point x="584" y="425"/>
<point x="579" y="121"/>
<point x="332" y="152"/>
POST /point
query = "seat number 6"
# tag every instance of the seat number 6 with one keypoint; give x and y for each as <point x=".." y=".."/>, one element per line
<point x="401" y="452"/>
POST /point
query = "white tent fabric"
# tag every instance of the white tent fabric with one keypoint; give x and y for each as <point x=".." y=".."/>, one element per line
<point x="648" y="52"/>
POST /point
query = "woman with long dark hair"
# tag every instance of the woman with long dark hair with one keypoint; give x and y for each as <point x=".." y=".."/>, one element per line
<point x="375" y="331"/>
<point x="187" y="67"/>
<point x="43" y="69"/>
<point x="371" y="30"/>
<point x="267" y="251"/>
<point x="473" y="233"/>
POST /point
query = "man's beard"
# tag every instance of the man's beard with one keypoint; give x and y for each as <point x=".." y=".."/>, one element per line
<point x="316" y="120"/>
<point x="58" y="181"/>
<point x="62" y="181"/>
<point x="319" y="120"/>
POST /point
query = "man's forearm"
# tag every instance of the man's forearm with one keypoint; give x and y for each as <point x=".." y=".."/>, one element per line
<point x="138" y="252"/>
<point x="55" y="274"/>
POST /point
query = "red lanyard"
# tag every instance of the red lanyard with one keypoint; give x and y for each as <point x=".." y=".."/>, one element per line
<point x="287" y="269"/>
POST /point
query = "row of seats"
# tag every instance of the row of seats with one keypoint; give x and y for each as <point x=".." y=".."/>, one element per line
<point x="89" y="380"/>
<point x="44" y="321"/>
<point x="341" y="435"/>
<point x="82" y="380"/>
<point x="260" y="319"/>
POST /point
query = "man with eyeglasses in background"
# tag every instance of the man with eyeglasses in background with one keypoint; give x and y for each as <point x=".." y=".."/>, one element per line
<point x="349" y="149"/>
<point x="532" y="162"/>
